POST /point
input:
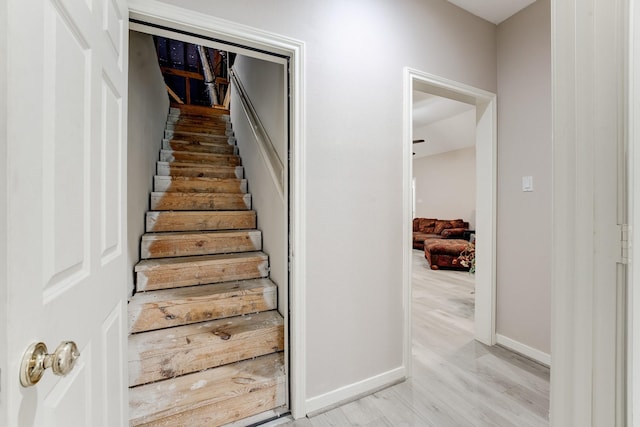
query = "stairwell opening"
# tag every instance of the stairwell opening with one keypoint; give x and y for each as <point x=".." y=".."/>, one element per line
<point x="196" y="233"/>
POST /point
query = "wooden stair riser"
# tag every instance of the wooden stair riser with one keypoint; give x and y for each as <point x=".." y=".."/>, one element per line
<point x="167" y="353"/>
<point x="180" y="134"/>
<point x="198" y="111"/>
<point x="158" y="221"/>
<point x="199" y="185"/>
<point x="209" y="128"/>
<point x="216" y="123"/>
<point x="207" y="158"/>
<point x="183" y="306"/>
<point x="200" y="121"/>
<point x="189" y="271"/>
<point x="203" y="139"/>
<point x="177" y="117"/>
<point x="171" y="201"/>
<point x="199" y="170"/>
<point x="199" y="147"/>
<point x="213" y="397"/>
<point x="191" y="125"/>
<point x="164" y="245"/>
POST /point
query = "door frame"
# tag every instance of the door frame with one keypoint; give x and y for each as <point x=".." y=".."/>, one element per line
<point x="633" y="283"/>
<point x="259" y="44"/>
<point x="486" y="157"/>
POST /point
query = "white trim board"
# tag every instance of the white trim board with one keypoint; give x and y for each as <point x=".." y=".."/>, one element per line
<point x="523" y="349"/>
<point x="354" y="391"/>
<point x="195" y="23"/>
<point x="589" y="92"/>
<point x="486" y="161"/>
<point x="633" y="321"/>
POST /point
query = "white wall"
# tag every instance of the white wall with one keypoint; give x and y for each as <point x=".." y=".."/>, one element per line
<point x="148" y="109"/>
<point x="263" y="83"/>
<point x="524" y="149"/>
<point x="354" y="56"/>
<point x="446" y="185"/>
<point x="3" y="212"/>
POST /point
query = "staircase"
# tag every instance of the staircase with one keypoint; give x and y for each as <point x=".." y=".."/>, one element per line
<point x="206" y="341"/>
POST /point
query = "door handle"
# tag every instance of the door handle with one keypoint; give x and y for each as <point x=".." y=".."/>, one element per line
<point x="36" y="360"/>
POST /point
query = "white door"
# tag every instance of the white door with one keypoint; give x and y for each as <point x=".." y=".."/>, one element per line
<point x="66" y="201"/>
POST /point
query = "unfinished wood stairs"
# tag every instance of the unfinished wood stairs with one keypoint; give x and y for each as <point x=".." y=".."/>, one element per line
<point x="206" y="341"/>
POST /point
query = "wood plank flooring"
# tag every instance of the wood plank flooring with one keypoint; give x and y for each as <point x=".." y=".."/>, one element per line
<point x="456" y="380"/>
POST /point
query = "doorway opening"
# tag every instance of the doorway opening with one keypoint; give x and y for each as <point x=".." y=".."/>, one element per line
<point x="485" y="206"/>
<point x="191" y="27"/>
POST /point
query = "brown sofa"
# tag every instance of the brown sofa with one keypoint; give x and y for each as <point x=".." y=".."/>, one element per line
<point x="432" y="228"/>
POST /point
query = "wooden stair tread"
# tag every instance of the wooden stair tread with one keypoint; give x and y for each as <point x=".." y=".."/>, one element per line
<point x="171" y="133"/>
<point x="166" y="308"/>
<point x="194" y="201"/>
<point x="195" y="157"/>
<point x="151" y="264"/>
<point x="163" y="273"/>
<point x="160" y="221"/>
<point x="217" y="142"/>
<point x="187" y="164"/>
<point x="198" y="170"/>
<point x="213" y="397"/>
<point x="200" y="138"/>
<point x="199" y="127"/>
<point x="199" y="147"/>
<point x="199" y="184"/>
<point x="185" y="243"/>
<point x="167" y="353"/>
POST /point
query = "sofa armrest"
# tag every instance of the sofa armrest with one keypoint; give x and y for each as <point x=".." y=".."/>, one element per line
<point x="453" y="233"/>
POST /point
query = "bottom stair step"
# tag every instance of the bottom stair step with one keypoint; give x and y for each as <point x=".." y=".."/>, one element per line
<point x="168" y="353"/>
<point x="213" y="397"/>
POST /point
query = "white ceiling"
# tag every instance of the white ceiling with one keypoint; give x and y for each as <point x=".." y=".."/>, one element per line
<point x="443" y="123"/>
<point x="494" y="11"/>
<point x="428" y="109"/>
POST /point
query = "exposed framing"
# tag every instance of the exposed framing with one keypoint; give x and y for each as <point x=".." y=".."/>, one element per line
<point x="257" y="43"/>
<point x="486" y="149"/>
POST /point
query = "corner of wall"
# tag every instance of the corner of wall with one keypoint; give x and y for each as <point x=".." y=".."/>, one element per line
<point x="525" y="149"/>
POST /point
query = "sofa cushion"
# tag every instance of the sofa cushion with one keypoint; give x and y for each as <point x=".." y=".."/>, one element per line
<point x="451" y="233"/>
<point x="458" y="223"/>
<point x="426" y="225"/>
<point x="442" y="224"/>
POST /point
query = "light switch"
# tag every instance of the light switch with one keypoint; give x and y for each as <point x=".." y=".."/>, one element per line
<point x="527" y="183"/>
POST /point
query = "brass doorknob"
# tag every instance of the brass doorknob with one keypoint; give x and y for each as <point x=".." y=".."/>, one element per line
<point x="36" y="360"/>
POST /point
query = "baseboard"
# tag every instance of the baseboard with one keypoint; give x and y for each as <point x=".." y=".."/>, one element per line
<point x="354" y="391"/>
<point x="523" y="349"/>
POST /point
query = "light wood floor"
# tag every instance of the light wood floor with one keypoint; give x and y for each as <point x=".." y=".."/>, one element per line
<point x="456" y="380"/>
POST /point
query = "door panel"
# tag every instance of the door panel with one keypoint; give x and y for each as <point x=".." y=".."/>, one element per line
<point x="67" y="278"/>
